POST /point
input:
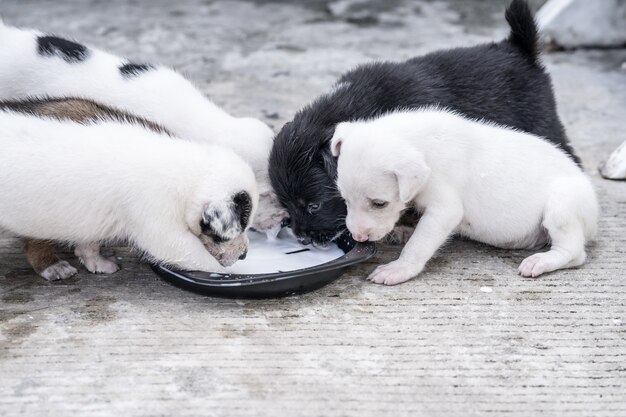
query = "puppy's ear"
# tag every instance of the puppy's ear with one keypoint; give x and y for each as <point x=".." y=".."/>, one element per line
<point x="324" y="155"/>
<point x="225" y="220"/>
<point x="412" y="173"/>
<point x="242" y="208"/>
<point x="335" y="145"/>
<point x="328" y="161"/>
<point x="337" y="139"/>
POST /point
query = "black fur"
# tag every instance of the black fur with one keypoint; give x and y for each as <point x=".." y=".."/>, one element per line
<point x="243" y="208"/>
<point x="205" y="226"/>
<point x="523" y="29"/>
<point x="70" y="51"/>
<point x="502" y="82"/>
<point x="132" y="70"/>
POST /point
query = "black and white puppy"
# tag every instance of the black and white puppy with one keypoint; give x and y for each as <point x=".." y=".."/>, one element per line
<point x="35" y="64"/>
<point x="502" y="82"/>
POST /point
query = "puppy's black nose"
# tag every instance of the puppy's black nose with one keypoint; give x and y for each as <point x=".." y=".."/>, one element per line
<point x="305" y="240"/>
<point x="243" y="255"/>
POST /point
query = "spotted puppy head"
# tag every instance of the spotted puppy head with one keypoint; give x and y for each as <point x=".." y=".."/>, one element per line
<point x="223" y="227"/>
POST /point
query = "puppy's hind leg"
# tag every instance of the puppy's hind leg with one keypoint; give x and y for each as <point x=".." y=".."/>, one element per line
<point x="41" y="256"/>
<point x="570" y="218"/>
<point x="89" y="255"/>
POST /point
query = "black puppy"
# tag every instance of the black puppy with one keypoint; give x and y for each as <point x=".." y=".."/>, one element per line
<point x="503" y="82"/>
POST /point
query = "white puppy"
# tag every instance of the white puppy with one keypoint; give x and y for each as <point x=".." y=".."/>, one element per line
<point x="495" y="185"/>
<point x="84" y="184"/>
<point x="36" y="64"/>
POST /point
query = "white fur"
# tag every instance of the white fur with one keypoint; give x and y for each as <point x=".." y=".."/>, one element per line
<point x="58" y="271"/>
<point x="90" y="257"/>
<point x="615" y="167"/>
<point x="492" y="184"/>
<point x="159" y="94"/>
<point x="86" y="184"/>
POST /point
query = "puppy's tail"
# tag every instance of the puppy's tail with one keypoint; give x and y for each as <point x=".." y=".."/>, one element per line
<point x="524" y="33"/>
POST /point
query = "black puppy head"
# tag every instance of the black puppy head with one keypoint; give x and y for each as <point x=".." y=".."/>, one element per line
<point x="225" y="220"/>
<point x="303" y="173"/>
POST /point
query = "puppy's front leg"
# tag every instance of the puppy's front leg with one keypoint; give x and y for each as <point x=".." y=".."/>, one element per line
<point x="435" y="226"/>
<point x="186" y="251"/>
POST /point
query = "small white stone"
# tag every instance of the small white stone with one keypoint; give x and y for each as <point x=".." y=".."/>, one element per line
<point x="486" y="289"/>
<point x="617" y="321"/>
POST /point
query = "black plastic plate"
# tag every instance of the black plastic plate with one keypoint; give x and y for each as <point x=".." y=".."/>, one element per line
<point x="276" y="284"/>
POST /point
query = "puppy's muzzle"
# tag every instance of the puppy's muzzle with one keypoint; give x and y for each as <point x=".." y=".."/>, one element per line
<point x="227" y="252"/>
<point x="305" y="240"/>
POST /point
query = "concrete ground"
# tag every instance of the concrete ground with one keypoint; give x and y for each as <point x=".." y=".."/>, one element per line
<point x="468" y="337"/>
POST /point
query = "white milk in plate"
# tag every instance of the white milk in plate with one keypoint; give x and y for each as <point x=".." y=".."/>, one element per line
<point x="281" y="254"/>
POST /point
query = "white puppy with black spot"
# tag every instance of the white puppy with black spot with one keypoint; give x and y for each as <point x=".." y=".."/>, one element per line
<point x="178" y="202"/>
<point x="37" y="64"/>
<point x="492" y="184"/>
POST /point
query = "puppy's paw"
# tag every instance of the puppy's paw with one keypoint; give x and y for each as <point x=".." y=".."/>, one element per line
<point x="219" y="270"/>
<point x="399" y="235"/>
<point x="393" y="273"/>
<point x="533" y="266"/>
<point x="60" y="270"/>
<point x="99" y="265"/>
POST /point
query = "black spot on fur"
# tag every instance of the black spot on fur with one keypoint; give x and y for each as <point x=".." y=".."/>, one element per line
<point x="243" y="208"/>
<point x="205" y="226"/>
<point x="217" y="238"/>
<point x="67" y="50"/>
<point x="499" y="82"/>
<point x="132" y="70"/>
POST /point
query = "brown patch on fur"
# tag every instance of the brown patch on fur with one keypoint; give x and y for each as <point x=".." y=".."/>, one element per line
<point x="78" y="110"/>
<point x="40" y="254"/>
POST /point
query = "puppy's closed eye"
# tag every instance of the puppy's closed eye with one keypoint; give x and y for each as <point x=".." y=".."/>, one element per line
<point x="313" y="207"/>
<point x="378" y="204"/>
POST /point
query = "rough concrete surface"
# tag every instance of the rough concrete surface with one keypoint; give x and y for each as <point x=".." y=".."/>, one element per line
<point x="468" y="337"/>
